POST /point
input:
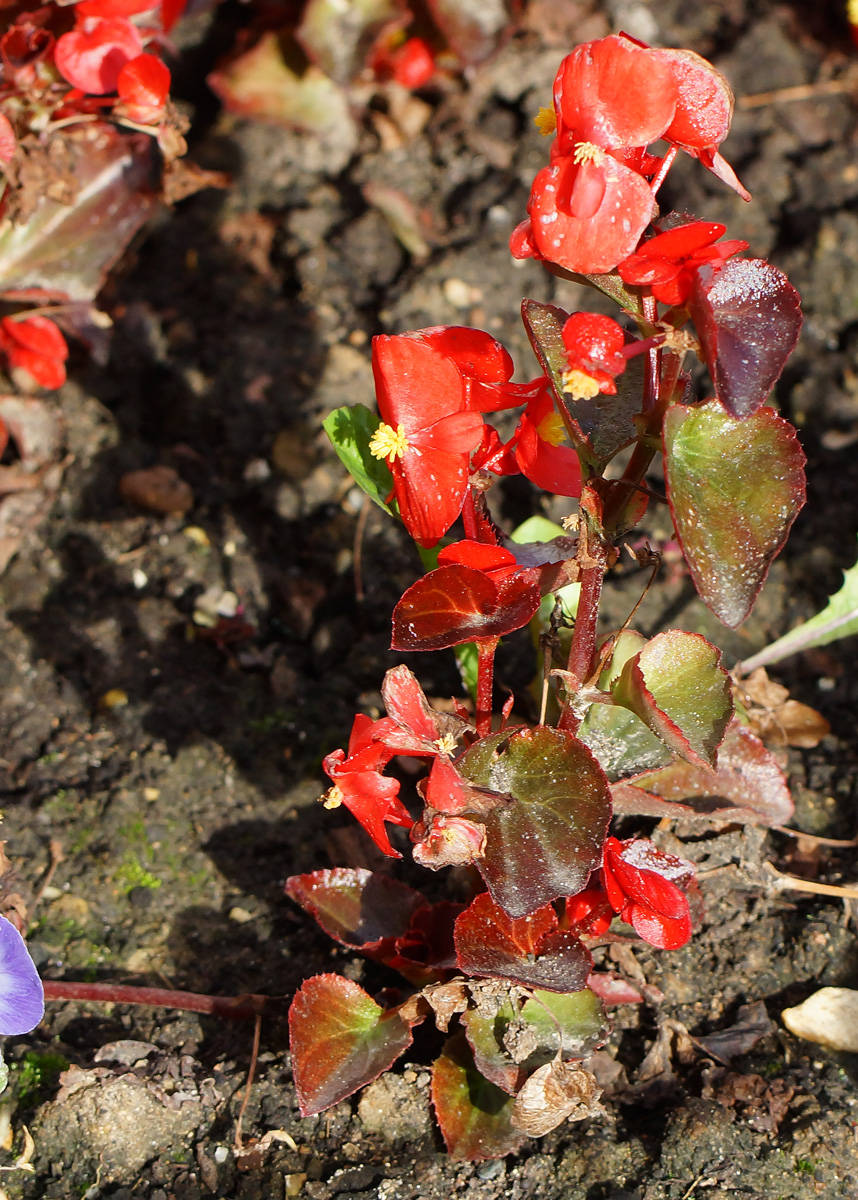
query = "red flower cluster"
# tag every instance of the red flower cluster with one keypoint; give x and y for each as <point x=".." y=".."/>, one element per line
<point x="637" y="881"/>
<point x="613" y="98"/>
<point x="36" y="347"/>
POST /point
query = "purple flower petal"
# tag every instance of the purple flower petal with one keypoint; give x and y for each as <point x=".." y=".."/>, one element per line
<point x="22" y="999"/>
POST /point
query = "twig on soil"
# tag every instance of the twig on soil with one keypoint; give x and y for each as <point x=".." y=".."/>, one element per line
<point x="55" y="850"/>
<point x="232" y="1008"/>
<point x="815" y="838"/>
<point x="238" y="1142"/>
<point x="793" y="884"/>
<point x="802" y="91"/>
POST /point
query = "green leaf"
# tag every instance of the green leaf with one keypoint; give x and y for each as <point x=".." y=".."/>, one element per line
<point x="620" y="740"/>
<point x="839" y="619"/>
<point x="513" y="1042"/>
<point x="559" y="811"/>
<point x="474" y="1114"/>
<point x="746" y="785"/>
<point x="735" y="487"/>
<point x="340" y="1040"/>
<point x="537" y="529"/>
<point x="678" y="688"/>
<point x="350" y="430"/>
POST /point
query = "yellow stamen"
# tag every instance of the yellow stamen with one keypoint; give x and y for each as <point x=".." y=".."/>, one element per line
<point x="333" y="798"/>
<point x="552" y="430"/>
<point x="388" y="442"/>
<point x="587" y="152"/>
<point x="545" y="121"/>
<point x="446" y="744"/>
<point x="579" y="384"/>
<point x="852" y="12"/>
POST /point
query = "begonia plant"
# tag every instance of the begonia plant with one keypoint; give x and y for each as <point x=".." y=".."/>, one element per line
<point x="523" y="801"/>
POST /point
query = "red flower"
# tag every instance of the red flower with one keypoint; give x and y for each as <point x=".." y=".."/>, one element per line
<point x="35" y="345"/>
<point x="410" y="63"/>
<point x="426" y="434"/>
<point x="539" y="451"/>
<point x="638" y="881"/>
<point x="372" y="798"/>
<point x="8" y="141"/>
<point x="667" y="262"/>
<point x="589" y="912"/>
<point x="594" y="350"/>
<point x="96" y="50"/>
<point x="143" y="85"/>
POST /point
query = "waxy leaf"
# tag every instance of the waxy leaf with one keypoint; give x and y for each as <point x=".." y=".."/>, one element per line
<point x="350" y="430"/>
<point x="530" y="950"/>
<point x="510" y="1043"/>
<point x="678" y="688"/>
<point x="458" y="604"/>
<point x="620" y="740"/>
<point x="735" y="487"/>
<point x="356" y="907"/>
<point x="747" y="785"/>
<point x="748" y="317"/>
<point x="560" y="811"/>
<point x="67" y="249"/>
<point x="340" y="1040"/>
<point x="601" y="426"/>
<point x="473" y="1113"/>
<point x="837" y="620"/>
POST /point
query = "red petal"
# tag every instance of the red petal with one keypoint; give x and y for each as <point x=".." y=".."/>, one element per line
<point x="430" y="488"/>
<point x="613" y="93"/>
<point x="704" y="105"/>
<point x="477" y="555"/>
<point x="521" y="241"/>
<point x="405" y="701"/>
<point x="416" y="385"/>
<point x="475" y="352"/>
<point x="666" y="933"/>
<point x="682" y="241"/>
<point x="372" y="799"/>
<point x="446" y="790"/>
<point x="555" y="469"/>
<point x="144" y="83"/>
<point x="38" y="334"/>
<point x="47" y="372"/>
<point x="458" y="433"/>
<point x="598" y="243"/>
<point x="92" y="55"/>
<point x="8" y="141"/>
<point x="113" y="8"/>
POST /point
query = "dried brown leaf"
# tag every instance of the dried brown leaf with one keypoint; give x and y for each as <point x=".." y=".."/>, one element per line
<point x="559" y="1091"/>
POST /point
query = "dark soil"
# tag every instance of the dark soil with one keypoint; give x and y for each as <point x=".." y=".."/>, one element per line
<point x="242" y="318"/>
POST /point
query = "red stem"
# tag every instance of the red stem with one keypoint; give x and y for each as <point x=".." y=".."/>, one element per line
<point x="234" y="1008"/>
<point x="469" y="517"/>
<point x="485" y="680"/>
<point x="582" y="652"/>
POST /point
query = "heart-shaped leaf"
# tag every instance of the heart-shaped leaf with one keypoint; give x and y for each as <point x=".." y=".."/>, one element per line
<point x="620" y="740"/>
<point x="601" y="426"/>
<point x="350" y="430"/>
<point x="515" y="1039"/>
<point x="340" y="1040"/>
<point x="678" y="688"/>
<point x="356" y="907"/>
<point x="735" y="487"/>
<point x="530" y="950"/>
<point x="458" y="604"/>
<point x="747" y="785"/>
<point x="67" y="249"/>
<point x="473" y="1113"/>
<point x="748" y="317"/>
<point x="548" y="839"/>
